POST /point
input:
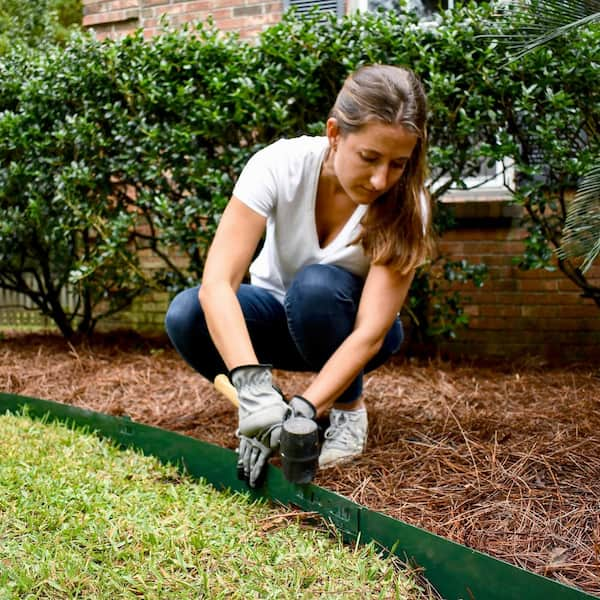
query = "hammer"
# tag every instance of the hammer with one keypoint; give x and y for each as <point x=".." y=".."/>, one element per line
<point x="299" y="444"/>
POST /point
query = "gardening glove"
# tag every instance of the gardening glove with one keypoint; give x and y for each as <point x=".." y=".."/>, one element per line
<point x="254" y="452"/>
<point x="261" y="411"/>
<point x="252" y="460"/>
<point x="301" y="407"/>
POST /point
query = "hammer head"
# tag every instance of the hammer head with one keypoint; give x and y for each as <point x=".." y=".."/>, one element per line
<point x="299" y="448"/>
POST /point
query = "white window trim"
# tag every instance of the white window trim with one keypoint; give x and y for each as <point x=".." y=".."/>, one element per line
<point x="483" y="188"/>
<point x="358" y="5"/>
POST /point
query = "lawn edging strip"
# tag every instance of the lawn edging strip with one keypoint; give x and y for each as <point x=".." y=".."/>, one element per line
<point x="456" y="571"/>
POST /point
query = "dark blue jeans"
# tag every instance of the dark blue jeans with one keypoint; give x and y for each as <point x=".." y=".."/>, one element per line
<point x="318" y="314"/>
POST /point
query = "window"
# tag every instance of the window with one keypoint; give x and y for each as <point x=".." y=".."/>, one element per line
<point x="424" y="8"/>
<point x="305" y="6"/>
<point x="493" y="182"/>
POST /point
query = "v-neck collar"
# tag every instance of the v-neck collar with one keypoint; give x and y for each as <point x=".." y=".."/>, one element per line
<point x="350" y="223"/>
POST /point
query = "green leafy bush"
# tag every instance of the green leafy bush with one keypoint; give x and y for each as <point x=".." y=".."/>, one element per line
<point x="37" y="23"/>
<point x="553" y="136"/>
<point x="527" y="27"/>
<point x="112" y="150"/>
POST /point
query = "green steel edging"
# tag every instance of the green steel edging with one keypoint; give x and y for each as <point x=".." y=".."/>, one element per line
<point x="457" y="572"/>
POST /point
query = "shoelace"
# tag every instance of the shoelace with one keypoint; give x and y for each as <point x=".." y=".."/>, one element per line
<point x="339" y="434"/>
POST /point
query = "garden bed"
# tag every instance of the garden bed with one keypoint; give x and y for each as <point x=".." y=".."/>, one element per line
<point x="504" y="458"/>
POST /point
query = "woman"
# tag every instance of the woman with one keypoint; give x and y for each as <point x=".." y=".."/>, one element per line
<point x="347" y="222"/>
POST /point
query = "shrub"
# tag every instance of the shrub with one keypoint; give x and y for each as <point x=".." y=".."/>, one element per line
<point x="109" y="149"/>
<point x="552" y="125"/>
<point x="34" y="24"/>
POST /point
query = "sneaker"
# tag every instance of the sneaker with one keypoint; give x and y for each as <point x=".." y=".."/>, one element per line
<point x="345" y="438"/>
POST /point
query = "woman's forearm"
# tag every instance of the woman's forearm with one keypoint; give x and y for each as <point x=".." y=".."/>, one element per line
<point x="226" y="324"/>
<point x="340" y="370"/>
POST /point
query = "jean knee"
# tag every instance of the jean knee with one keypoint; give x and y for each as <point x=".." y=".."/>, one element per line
<point x="318" y="285"/>
<point x="174" y="316"/>
<point x="183" y="310"/>
<point x="311" y="282"/>
<point x="320" y="307"/>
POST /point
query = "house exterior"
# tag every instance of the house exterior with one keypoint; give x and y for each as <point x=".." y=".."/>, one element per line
<point x="115" y="18"/>
<point x="516" y="313"/>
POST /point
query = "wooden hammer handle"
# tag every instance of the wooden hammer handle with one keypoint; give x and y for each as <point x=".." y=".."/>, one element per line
<point x="223" y="385"/>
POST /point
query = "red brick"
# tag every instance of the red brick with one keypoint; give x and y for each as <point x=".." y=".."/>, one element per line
<point x="565" y="284"/>
<point x="491" y="323"/>
<point x="538" y="285"/>
<point x="572" y="324"/>
<point x="453" y="235"/>
<point x="500" y="311"/>
<point x="557" y="299"/>
<point x="125" y="27"/>
<point x="482" y="247"/>
<point x="175" y="9"/>
<point x="222" y="13"/>
<point x="503" y="285"/>
<point x="540" y="274"/>
<point x="472" y="310"/>
<point x="498" y="273"/>
<point x="197" y="7"/>
<point x="488" y="296"/>
<point x="452" y="248"/>
<point x="123" y="4"/>
<point x="93" y="7"/>
<point x="110" y="17"/>
<point x="501" y="260"/>
<point x="251" y="10"/>
<point x="579" y="310"/>
<point x="150" y="32"/>
<point x="186" y="18"/>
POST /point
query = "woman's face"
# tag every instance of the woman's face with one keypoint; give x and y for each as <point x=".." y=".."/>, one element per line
<point x="368" y="162"/>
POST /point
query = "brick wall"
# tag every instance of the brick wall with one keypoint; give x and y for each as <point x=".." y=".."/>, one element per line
<point x="518" y="313"/>
<point x="116" y="18"/>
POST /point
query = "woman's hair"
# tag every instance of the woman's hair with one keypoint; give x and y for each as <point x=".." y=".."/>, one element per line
<point x="396" y="229"/>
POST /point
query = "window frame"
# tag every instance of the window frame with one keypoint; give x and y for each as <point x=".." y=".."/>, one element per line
<point x="485" y="187"/>
<point x="305" y="6"/>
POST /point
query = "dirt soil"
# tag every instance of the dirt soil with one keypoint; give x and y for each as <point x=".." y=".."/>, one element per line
<point x="503" y="458"/>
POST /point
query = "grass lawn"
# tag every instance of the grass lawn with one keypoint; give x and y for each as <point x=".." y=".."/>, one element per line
<point x="80" y="518"/>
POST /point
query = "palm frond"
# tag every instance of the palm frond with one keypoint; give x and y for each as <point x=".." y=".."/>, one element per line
<point x="581" y="234"/>
<point x="541" y="21"/>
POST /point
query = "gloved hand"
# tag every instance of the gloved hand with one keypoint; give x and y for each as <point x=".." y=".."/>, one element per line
<point x="254" y="452"/>
<point x="301" y="407"/>
<point x="252" y="460"/>
<point x="262" y="411"/>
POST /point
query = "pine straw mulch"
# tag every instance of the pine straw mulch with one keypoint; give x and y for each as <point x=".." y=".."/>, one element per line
<point x="504" y="459"/>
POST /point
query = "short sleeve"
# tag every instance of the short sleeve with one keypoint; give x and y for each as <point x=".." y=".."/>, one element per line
<point x="256" y="186"/>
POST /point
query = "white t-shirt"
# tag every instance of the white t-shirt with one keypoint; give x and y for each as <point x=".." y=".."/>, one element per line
<point x="280" y="183"/>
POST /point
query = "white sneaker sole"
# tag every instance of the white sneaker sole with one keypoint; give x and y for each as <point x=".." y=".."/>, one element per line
<point x="341" y="460"/>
